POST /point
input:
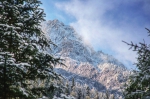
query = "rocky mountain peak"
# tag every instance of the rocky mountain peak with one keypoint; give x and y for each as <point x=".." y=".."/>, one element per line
<point x="82" y="61"/>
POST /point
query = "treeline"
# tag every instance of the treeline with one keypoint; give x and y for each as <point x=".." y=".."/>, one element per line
<point x="79" y="91"/>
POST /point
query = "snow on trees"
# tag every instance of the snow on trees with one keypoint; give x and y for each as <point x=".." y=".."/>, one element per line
<point x="139" y="82"/>
<point x="23" y="59"/>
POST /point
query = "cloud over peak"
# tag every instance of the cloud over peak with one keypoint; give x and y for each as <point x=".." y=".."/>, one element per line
<point x="105" y="23"/>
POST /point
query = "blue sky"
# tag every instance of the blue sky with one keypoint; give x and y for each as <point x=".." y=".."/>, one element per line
<point x="103" y="24"/>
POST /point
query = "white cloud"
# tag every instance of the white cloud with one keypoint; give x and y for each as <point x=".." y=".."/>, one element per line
<point x="94" y="27"/>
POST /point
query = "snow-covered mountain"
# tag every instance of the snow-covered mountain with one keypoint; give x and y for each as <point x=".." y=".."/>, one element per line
<point x="87" y="66"/>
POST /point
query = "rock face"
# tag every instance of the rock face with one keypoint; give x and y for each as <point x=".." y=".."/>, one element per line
<point x="87" y="66"/>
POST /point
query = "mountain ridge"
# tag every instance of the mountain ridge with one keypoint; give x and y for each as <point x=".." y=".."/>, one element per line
<point x="82" y="60"/>
<point x="61" y="36"/>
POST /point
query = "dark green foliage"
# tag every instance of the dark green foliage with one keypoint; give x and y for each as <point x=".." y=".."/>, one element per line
<point x="139" y="81"/>
<point x="11" y="82"/>
<point x="24" y="62"/>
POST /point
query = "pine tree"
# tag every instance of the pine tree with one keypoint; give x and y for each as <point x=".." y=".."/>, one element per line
<point x="25" y="43"/>
<point x="67" y="91"/>
<point x="88" y="91"/>
<point x="107" y="94"/>
<point x="73" y="83"/>
<point x="139" y="82"/>
<point x="10" y="75"/>
<point x="79" y="92"/>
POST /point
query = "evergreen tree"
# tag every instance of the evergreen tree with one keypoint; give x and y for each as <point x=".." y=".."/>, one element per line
<point x="139" y="82"/>
<point x="10" y="77"/>
<point x="83" y="96"/>
<point x="26" y="45"/>
<point x="79" y="92"/>
<point x="73" y="83"/>
<point x="67" y="89"/>
<point x="107" y="94"/>
<point x="88" y="91"/>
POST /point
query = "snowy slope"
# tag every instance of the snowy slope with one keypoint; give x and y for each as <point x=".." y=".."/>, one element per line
<point x="96" y="69"/>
